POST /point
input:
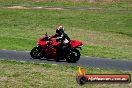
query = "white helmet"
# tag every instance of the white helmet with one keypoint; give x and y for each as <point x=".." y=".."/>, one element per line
<point x="60" y="29"/>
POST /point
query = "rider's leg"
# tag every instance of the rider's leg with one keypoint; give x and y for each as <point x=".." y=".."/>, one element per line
<point x="58" y="51"/>
<point x="63" y="51"/>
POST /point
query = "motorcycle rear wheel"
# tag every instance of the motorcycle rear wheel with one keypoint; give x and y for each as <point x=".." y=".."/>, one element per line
<point x="36" y="53"/>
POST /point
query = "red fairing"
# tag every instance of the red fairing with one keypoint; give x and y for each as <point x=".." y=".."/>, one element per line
<point x="54" y="43"/>
<point x="75" y="43"/>
<point x="42" y="43"/>
<point x="51" y="50"/>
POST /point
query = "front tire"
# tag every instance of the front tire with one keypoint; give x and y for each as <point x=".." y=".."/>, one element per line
<point x="36" y="53"/>
<point x="73" y="56"/>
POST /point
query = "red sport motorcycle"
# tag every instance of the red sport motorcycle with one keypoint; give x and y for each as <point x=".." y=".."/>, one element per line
<point x="47" y="48"/>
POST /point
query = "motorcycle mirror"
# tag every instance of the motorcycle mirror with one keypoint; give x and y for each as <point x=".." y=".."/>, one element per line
<point x="46" y="34"/>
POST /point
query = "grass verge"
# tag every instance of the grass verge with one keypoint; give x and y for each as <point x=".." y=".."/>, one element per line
<point x="110" y="4"/>
<point x="25" y="74"/>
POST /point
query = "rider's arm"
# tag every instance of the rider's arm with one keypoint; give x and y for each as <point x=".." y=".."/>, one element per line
<point x="54" y="36"/>
<point x="67" y="37"/>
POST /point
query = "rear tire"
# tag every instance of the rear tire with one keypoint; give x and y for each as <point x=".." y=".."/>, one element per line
<point x="73" y="56"/>
<point x="36" y="53"/>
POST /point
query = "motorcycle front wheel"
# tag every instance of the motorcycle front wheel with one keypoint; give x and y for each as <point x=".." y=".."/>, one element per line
<point x="36" y="53"/>
<point x="73" y="56"/>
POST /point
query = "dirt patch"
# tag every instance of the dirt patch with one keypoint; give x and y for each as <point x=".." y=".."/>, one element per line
<point x="130" y="5"/>
<point x="3" y="78"/>
<point x="17" y="7"/>
<point x="22" y="7"/>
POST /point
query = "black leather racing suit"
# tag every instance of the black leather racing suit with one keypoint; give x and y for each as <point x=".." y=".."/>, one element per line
<point x="61" y="48"/>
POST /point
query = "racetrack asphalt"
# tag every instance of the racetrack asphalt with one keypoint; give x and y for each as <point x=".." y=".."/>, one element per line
<point x="84" y="61"/>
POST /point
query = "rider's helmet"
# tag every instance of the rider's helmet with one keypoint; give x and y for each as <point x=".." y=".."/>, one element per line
<point x="60" y="30"/>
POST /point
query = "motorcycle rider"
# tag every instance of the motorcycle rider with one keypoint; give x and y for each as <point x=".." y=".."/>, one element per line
<point x="62" y="37"/>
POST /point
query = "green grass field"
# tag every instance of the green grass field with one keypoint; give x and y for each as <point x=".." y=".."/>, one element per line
<point x="111" y="4"/>
<point x="104" y="34"/>
<point x="32" y="75"/>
